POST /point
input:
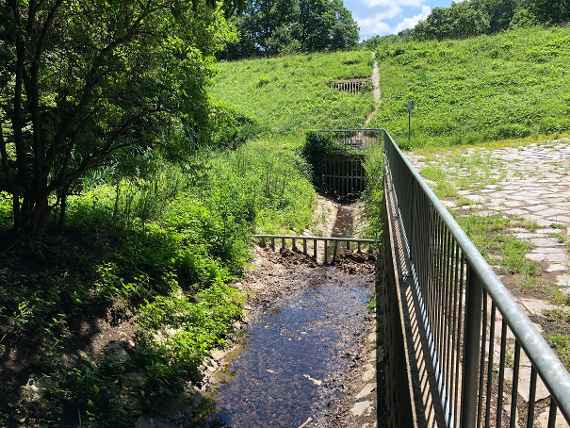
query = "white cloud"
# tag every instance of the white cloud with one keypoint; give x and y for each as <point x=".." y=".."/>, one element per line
<point x="411" y="22"/>
<point x="373" y="25"/>
<point x="400" y="3"/>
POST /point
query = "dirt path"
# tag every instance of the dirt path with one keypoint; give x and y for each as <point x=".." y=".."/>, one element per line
<point x="376" y="93"/>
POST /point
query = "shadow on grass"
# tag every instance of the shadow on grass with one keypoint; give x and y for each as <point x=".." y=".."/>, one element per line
<point x="69" y="351"/>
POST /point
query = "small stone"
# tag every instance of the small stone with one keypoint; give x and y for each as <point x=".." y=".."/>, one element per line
<point x="563" y="281"/>
<point x="366" y="391"/>
<point x="369" y="373"/>
<point x="560" y="421"/>
<point x="361" y="408"/>
<point x="556" y="268"/>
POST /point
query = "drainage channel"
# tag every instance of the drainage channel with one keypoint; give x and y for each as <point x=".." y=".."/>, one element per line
<point x="299" y="356"/>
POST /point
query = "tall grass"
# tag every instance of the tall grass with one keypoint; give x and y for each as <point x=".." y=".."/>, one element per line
<point x="511" y="85"/>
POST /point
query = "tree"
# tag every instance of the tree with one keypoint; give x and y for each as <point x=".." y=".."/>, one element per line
<point x="523" y="18"/>
<point x="500" y="12"/>
<point x="82" y="81"/>
<point x="549" y="11"/>
<point x="458" y="21"/>
<point x="270" y="27"/>
<point x="326" y="25"/>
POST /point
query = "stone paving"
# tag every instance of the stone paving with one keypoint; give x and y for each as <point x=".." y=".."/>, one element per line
<point x="533" y="183"/>
<point x="529" y="182"/>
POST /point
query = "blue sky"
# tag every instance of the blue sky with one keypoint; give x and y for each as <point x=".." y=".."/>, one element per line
<point x="381" y="17"/>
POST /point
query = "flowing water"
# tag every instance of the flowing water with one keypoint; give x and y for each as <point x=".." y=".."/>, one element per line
<point x="286" y="374"/>
<point x="291" y="366"/>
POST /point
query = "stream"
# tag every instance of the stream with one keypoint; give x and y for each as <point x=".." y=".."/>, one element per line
<point x="298" y="352"/>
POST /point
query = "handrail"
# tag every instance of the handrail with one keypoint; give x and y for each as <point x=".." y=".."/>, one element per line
<point x="414" y="197"/>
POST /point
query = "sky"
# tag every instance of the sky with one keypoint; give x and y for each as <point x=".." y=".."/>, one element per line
<point x="382" y="17"/>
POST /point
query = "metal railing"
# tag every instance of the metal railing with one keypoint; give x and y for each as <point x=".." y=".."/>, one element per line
<point x="458" y="350"/>
<point x="323" y="250"/>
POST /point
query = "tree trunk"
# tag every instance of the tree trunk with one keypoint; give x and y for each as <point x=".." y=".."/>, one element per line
<point x="33" y="215"/>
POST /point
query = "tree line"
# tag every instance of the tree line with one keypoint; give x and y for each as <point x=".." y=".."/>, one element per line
<point x="477" y="17"/>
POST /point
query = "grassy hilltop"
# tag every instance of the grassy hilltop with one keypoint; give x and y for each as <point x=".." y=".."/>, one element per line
<point x="512" y="85"/>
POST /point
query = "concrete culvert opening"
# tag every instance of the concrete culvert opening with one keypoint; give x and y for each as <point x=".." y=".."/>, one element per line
<point x="352" y="86"/>
<point x="337" y="161"/>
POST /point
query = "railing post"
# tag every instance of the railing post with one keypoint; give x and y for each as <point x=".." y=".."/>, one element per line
<point x="471" y="350"/>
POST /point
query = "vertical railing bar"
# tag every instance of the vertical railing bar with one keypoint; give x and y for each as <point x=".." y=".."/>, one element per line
<point x="501" y="379"/>
<point x="515" y="386"/>
<point x="471" y="349"/>
<point x="490" y="361"/>
<point x="482" y="359"/>
<point x="531" y="397"/>
<point x="315" y="250"/>
<point x="438" y="288"/>
<point x="459" y="330"/>
<point x="452" y="324"/>
<point x="552" y="413"/>
<point x="442" y="321"/>
<point x="335" y="250"/>
<point x="449" y="324"/>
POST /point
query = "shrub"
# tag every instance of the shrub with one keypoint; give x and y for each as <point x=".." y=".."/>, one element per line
<point x="229" y="129"/>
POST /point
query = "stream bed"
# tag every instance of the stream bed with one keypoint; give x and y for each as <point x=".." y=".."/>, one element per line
<point x="295" y="353"/>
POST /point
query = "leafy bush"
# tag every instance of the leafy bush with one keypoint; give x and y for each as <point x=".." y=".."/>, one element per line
<point x="229" y="129"/>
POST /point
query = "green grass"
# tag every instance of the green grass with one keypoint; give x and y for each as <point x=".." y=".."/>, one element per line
<point x="510" y="85"/>
<point x="497" y="245"/>
<point x="291" y="93"/>
<point x="557" y="329"/>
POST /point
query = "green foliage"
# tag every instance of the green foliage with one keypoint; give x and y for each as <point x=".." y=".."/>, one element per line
<point x="269" y="27"/>
<point x="477" y="17"/>
<point x="498" y="246"/>
<point x="374" y="193"/>
<point x="229" y="128"/>
<point x="460" y="20"/>
<point x="296" y="95"/>
<point x="83" y="83"/>
<point x="511" y="85"/>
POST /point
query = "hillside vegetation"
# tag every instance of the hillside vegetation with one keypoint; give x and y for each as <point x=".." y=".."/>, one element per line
<point x="291" y="93"/>
<point x="109" y="317"/>
<point x="512" y="85"/>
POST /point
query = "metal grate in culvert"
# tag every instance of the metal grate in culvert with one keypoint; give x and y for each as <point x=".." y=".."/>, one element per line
<point x="352" y="86"/>
<point x="337" y="160"/>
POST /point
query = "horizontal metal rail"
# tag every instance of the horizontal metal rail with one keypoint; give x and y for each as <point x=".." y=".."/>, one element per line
<point x="324" y="250"/>
<point x="478" y="361"/>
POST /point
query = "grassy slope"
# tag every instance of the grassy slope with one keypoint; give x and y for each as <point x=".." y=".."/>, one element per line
<point x="286" y="96"/>
<point x="510" y="85"/>
<point x="291" y="93"/>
